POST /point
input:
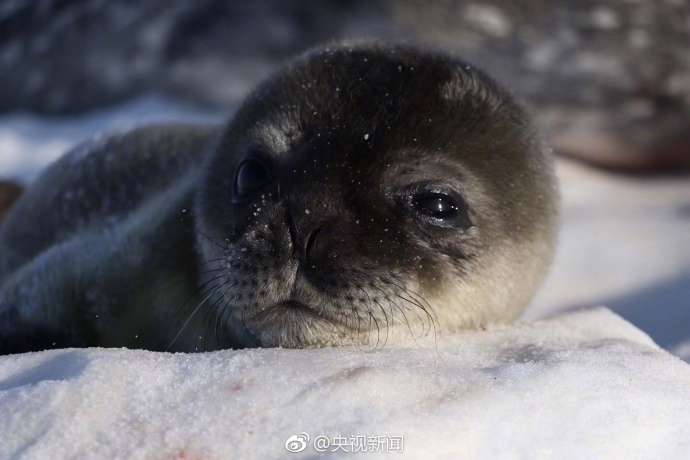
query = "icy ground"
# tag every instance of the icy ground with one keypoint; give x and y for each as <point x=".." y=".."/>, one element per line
<point x="583" y="385"/>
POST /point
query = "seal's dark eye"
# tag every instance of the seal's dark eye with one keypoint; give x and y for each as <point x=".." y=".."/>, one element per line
<point x="252" y="174"/>
<point x="437" y="205"/>
<point x="441" y="209"/>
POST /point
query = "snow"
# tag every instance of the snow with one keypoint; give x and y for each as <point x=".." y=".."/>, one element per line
<point x="583" y="385"/>
<point x="580" y="384"/>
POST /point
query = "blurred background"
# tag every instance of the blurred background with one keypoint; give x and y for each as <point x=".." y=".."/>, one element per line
<point x="607" y="81"/>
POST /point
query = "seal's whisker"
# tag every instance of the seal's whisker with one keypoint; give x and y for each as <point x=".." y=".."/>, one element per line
<point x="385" y="315"/>
<point x="177" y="281"/>
<point x="207" y="319"/>
<point x="415" y="311"/>
<point x="224" y="238"/>
<point x="418" y="306"/>
<point x="395" y="318"/>
<point x="224" y="248"/>
<point x="407" y="322"/>
<point x="226" y="304"/>
<point x="430" y="312"/>
<point x="225" y="322"/>
<point x="200" y="291"/>
<point x="190" y="317"/>
<point x="372" y="317"/>
<point x="358" y="328"/>
<point x="217" y="259"/>
<point x="387" y="297"/>
<point x="421" y="300"/>
<point x="213" y="270"/>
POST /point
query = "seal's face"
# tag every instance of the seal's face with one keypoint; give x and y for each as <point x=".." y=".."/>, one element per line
<point x="370" y="191"/>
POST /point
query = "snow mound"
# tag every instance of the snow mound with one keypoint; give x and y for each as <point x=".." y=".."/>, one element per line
<point x="582" y="385"/>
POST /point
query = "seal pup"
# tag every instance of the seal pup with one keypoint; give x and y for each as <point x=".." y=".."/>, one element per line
<point x="365" y="193"/>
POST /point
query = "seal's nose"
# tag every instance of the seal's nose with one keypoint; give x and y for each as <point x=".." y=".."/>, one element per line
<point x="303" y="235"/>
<point x="303" y="243"/>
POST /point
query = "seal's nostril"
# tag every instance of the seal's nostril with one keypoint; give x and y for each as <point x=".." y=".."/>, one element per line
<point x="292" y="228"/>
<point x="310" y="242"/>
<point x="302" y="235"/>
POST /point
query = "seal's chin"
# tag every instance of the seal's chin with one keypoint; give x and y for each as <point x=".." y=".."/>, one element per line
<point x="294" y="324"/>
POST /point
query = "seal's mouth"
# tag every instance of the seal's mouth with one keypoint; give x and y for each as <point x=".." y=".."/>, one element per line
<point x="289" y="310"/>
<point x="296" y="308"/>
<point x="292" y="323"/>
<point x="295" y="305"/>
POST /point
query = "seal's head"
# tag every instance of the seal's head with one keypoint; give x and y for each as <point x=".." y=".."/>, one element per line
<point x="368" y="190"/>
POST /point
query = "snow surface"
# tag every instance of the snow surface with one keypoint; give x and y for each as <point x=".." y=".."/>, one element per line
<point x="579" y="385"/>
<point x="583" y="385"/>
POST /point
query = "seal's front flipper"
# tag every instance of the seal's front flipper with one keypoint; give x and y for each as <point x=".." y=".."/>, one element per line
<point x="36" y="303"/>
<point x="17" y="336"/>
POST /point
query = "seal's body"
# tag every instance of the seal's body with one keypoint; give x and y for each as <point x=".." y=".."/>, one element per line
<point x="363" y="194"/>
